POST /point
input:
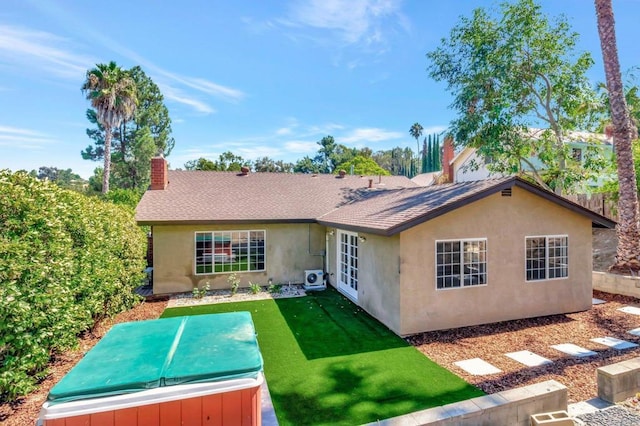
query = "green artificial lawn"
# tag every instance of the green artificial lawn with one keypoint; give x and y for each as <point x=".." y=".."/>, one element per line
<point x="328" y="362"/>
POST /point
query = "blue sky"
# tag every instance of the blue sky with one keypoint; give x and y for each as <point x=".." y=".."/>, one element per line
<point x="260" y="78"/>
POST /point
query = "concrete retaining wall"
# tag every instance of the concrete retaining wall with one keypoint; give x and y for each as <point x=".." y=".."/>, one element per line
<point x="619" y="381"/>
<point x="508" y="408"/>
<point x="616" y="284"/>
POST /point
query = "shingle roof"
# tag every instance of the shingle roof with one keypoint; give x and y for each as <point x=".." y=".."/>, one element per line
<point x="391" y="212"/>
<point x="393" y="204"/>
<point x="228" y="197"/>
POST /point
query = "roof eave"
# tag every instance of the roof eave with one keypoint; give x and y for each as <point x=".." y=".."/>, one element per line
<point x="151" y="222"/>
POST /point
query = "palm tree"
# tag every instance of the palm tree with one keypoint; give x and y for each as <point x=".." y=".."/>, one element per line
<point x="623" y="133"/>
<point x="112" y="93"/>
<point x="416" y="132"/>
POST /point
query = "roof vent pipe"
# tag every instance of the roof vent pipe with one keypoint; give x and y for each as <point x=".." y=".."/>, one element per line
<point x="370" y="183"/>
<point x="244" y="170"/>
<point x="342" y="173"/>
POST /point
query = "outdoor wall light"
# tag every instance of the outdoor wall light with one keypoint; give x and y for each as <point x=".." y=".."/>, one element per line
<point x="332" y="232"/>
<point x="362" y="238"/>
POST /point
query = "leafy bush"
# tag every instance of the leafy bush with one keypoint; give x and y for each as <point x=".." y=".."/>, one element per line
<point x="66" y="261"/>
<point x="254" y="288"/>
<point x="199" y="293"/>
<point x="234" y="283"/>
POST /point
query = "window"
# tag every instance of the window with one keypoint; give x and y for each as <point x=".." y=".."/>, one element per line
<point x="461" y="263"/>
<point x="547" y="257"/>
<point x="576" y="154"/>
<point x="229" y="251"/>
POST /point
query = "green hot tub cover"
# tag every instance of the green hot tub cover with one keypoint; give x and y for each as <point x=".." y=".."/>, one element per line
<point x="142" y="355"/>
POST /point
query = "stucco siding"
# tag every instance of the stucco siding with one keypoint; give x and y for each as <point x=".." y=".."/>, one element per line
<point x="290" y="250"/>
<point x="379" y="277"/>
<point x="504" y="222"/>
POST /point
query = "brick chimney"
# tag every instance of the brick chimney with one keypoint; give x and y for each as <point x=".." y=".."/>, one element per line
<point x="448" y="152"/>
<point x="159" y="173"/>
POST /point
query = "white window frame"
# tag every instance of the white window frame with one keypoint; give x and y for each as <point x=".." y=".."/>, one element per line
<point x="213" y="255"/>
<point x="346" y="279"/>
<point x="546" y="257"/>
<point x="462" y="265"/>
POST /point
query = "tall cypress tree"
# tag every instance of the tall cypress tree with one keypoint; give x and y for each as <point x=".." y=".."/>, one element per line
<point x="425" y="156"/>
<point x="436" y="153"/>
<point x="430" y="156"/>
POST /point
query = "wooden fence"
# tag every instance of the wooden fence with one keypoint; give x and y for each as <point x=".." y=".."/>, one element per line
<point x="599" y="203"/>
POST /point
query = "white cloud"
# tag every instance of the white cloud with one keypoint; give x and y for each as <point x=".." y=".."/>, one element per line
<point x="41" y="51"/>
<point x="176" y="95"/>
<point x="433" y="129"/>
<point x="364" y="23"/>
<point x="256" y="152"/>
<point x="284" y="131"/>
<point x="24" y="138"/>
<point x="301" y="147"/>
<point x="44" y="51"/>
<point x="353" y="21"/>
<point x="370" y="134"/>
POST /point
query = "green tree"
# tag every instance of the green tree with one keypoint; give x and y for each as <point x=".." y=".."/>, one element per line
<point x="66" y="179"/>
<point x="362" y="166"/>
<point x="623" y="133"/>
<point x="306" y="165"/>
<point x="509" y="73"/>
<point x="112" y="93"/>
<point x="435" y="155"/>
<point x="227" y="162"/>
<point x="326" y="154"/>
<point x="137" y="139"/>
<point x="416" y="131"/>
<point x="269" y="165"/>
<point x="200" y="164"/>
<point x="426" y="156"/>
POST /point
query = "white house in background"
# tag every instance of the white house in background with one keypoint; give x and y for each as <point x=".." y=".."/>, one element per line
<point x="467" y="165"/>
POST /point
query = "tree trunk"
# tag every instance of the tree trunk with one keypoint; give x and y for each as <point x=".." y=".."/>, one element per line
<point x="107" y="159"/>
<point x="627" y="229"/>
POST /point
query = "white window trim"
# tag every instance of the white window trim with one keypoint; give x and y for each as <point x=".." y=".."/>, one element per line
<point x="213" y="272"/>
<point x="546" y="247"/>
<point x="461" y="240"/>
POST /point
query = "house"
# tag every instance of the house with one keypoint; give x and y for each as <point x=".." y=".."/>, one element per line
<point x="416" y="258"/>
<point x="467" y="165"/>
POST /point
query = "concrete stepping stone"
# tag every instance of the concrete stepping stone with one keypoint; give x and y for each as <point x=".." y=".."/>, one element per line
<point x="630" y="310"/>
<point x="529" y="358"/>
<point x="574" y="350"/>
<point x="635" y="331"/>
<point x="614" y="343"/>
<point x="477" y="367"/>
<point x="596" y="301"/>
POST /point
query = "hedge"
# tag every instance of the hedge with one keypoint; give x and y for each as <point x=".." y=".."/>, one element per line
<point x="66" y="261"/>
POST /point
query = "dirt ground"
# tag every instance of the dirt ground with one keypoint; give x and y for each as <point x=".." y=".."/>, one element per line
<point x="489" y="342"/>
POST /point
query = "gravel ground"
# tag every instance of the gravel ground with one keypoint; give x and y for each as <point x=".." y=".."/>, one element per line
<point x="614" y="416"/>
<point x="490" y="342"/>
<point x="243" y="294"/>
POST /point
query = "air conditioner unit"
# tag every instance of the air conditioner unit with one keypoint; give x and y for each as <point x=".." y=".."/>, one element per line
<point x="314" y="280"/>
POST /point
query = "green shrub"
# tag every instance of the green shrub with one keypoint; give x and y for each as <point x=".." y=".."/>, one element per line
<point x="255" y="288"/>
<point x="234" y="283"/>
<point x="66" y="261"/>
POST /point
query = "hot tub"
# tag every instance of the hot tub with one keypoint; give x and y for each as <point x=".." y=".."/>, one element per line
<point x="195" y="370"/>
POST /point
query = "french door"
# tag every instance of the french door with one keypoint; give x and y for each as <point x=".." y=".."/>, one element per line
<point x="348" y="263"/>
